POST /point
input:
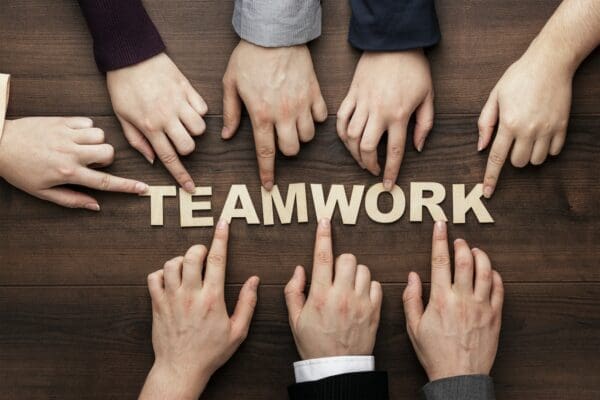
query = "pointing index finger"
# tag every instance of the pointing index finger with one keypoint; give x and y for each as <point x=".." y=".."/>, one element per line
<point x="216" y="262"/>
<point x="496" y="159"/>
<point x="322" y="273"/>
<point x="441" y="278"/>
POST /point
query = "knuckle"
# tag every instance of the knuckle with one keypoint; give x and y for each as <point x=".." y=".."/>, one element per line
<point x="67" y="172"/>
<point x="347" y="258"/>
<point x="216" y="259"/>
<point x="168" y="158"/>
<point x="289" y="149"/>
<point x="518" y="162"/>
<point x="149" y="125"/>
<point x="440" y="261"/>
<point x="105" y="182"/>
<point x="354" y="132"/>
<point x="187" y="147"/>
<point x="496" y="158"/>
<point x="265" y="151"/>
<point x="368" y="146"/>
<point x="511" y="122"/>
<point x="395" y="151"/>
<point x="323" y="257"/>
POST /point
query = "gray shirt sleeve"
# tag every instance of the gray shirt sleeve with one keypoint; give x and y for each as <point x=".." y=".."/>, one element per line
<point x="277" y="23"/>
<point x="466" y="387"/>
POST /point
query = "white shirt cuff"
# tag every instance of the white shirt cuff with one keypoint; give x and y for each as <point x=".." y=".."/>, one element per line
<point x="320" y="368"/>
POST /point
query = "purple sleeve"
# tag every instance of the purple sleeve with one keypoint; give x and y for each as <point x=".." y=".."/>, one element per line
<point x="122" y="31"/>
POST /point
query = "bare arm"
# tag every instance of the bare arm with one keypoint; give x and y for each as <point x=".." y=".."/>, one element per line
<point x="531" y="102"/>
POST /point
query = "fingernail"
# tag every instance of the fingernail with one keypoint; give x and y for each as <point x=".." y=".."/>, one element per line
<point x="487" y="191"/>
<point x="411" y="279"/>
<point x="297" y="271"/>
<point x="149" y="159"/>
<point x="387" y="184"/>
<point x="141" y="188"/>
<point x="268" y="185"/>
<point x="440" y="226"/>
<point x="254" y="283"/>
<point x="222" y="224"/>
<point x="224" y="132"/>
<point x="420" y="145"/>
<point x="480" y="144"/>
<point x="362" y="165"/>
<point x="189" y="187"/>
<point x="324" y="222"/>
<point x="92" y="206"/>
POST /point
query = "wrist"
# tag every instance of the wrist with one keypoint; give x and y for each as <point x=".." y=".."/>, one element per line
<point x="175" y="383"/>
<point x="544" y="51"/>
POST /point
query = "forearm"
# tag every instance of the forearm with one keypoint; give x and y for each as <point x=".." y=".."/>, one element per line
<point x="570" y="35"/>
<point x="122" y="31"/>
<point x="167" y="384"/>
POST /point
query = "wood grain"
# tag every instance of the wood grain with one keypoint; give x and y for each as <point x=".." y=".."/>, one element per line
<point x="48" y="49"/>
<point x="94" y="343"/>
<point x="546" y="229"/>
<point x="74" y="310"/>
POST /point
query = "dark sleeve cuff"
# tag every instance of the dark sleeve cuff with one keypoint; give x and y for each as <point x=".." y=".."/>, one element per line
<point x="355" y="386"/>
<point x="393" y="25"/>
<point x="465" y="387"/>
<point x="122" y="31"/>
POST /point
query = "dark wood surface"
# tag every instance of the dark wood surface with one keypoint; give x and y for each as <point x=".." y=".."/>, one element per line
<point x="74" y="311"/>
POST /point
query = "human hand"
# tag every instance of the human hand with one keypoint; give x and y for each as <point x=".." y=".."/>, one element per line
<point x="159" y="111"/>
<point x="192" y="333"/>
<point x="341" y="315"/>
<point x="281" y="93"/>
<point x="41" y="154"/>
<point x="459" y="330"/>
<point x="530" y="104"/>
<point x="388" y="87"/>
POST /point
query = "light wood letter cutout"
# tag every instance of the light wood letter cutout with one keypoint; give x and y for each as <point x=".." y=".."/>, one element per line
<point x="296" y="194"/>
<point x="461" y="204"/>
<point x="156" y="194"/>
<point x="187" y="206"/>
<point x="372" y="208"/>
<point x="247" y="211"/>
<point x="337" y="195"/>
<point x="417" y="202"/>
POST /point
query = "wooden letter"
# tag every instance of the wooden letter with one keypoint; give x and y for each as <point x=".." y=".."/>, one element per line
<point x="247" y="211"/>
<point x="461" y="204"/>
<point x="187" y="206"/>
<point x="398" y="205"/>
<point x="156" y="194"/>
<point x="296" y="194"/>
<point x="417" y="202"/>
<point x="337" y="195"/>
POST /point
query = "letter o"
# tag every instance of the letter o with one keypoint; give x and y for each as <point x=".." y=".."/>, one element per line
<point x="372" y="208"/>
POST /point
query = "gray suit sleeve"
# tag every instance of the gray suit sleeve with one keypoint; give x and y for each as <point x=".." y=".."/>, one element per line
<point x="466" y="387"/>
<point x="277" y="23"/>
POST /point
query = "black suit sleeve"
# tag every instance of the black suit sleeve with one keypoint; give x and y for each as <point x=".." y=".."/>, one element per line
<point x="354" y="386"/>
<point x="392" y="25"/>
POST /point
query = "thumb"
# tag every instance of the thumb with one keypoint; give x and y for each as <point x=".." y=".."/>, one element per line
<point x="232" y="109"/>
<point x="69" y="198"/>
<point x="294" y="294"/>
<point x="244" y="309"/>
<point x="424" y="122"/>
<point x="413" y="302"/>
<point x="487" y="121"/>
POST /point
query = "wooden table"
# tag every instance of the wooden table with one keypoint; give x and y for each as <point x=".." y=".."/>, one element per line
<point x="75" y="315"/>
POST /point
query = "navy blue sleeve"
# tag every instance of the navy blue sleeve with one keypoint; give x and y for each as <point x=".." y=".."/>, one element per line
<point x="392" y="25"/>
